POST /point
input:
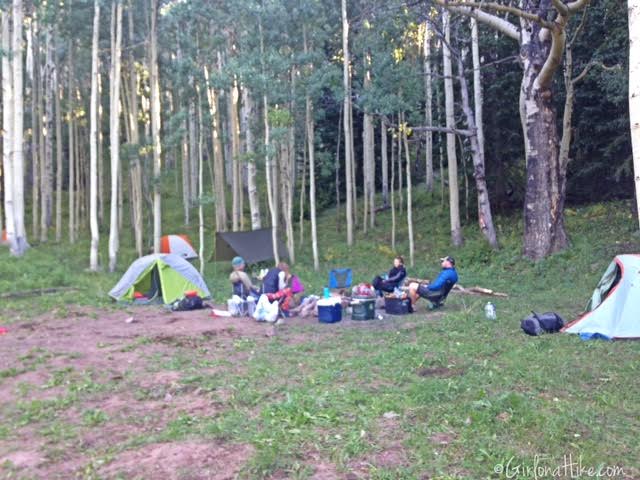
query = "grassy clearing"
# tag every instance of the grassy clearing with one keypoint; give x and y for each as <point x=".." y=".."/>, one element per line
<point x="444" y="397"/>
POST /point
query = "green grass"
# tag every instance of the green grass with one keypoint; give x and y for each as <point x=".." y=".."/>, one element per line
<point x="498" y="394"/>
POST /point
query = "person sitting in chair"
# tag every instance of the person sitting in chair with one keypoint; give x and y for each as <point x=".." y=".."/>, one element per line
<point x="437" y="291"/>
<point x="393" y="279"/>
<point x="241" y="281"/>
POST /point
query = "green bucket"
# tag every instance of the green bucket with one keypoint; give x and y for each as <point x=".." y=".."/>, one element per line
<point x="363" y="308"/>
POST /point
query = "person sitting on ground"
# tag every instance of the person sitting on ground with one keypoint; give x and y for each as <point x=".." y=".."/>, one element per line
<point x="290" y="292"/>
<point x="242" y="285"/>
<point x="275" y="279"/>
<point x="436" y="291"/>
<point x="393" y="279"/>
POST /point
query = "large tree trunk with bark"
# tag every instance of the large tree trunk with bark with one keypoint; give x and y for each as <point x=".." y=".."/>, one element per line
<point x="7" y="138"/>
<point x="93" y="143"/>
<point x="454" y="207"/>
<point x="47" y="170"/>
<point x="634" y="91"/>
<point x="544" y="231"/>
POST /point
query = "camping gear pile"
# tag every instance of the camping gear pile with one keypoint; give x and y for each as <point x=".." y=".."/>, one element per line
<point x="536" y="324"/>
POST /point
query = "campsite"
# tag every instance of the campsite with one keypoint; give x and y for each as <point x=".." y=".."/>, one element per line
<point x="319" y="240"/>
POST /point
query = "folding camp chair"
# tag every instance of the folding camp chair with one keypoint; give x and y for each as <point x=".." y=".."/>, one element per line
<point x="340" y="278"/>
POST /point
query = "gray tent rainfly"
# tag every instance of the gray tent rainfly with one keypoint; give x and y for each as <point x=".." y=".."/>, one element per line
<point x="254" y="246"/>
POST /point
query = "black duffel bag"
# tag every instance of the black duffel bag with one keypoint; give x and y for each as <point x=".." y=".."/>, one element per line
<point x="536" y="323"/>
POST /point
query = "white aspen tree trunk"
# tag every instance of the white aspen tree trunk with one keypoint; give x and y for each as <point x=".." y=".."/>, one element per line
<point x="348" y="152"/>
<point x="47" y="170"/>
<point x="33" y="74"/>
<point x="399" y="158"/>
<point x="136" y="169"/>
<point x="303" y="187"/>
<point x="271" y="196"/>
<point x="369" y="157"/>
<point x="193" y="156"/>
<point x="248" y="114"/>
<point x="405" y="141"/>
<point x="236" y="178"/>
<point x="7" y="140"/>
<point x="428" y="107"/>
<point x="21" y="244"/>
<point x="218" y="158"/>
<point x="71" y="147"/>
<point x="485" y="216"/>
<point x="155" y="127"/>
<point x="454" y="207"/>
<point x="477" y="85"/>
<point x="100" y="152"/>
<point x="185" y="171"/>
<point x="337" y="170"/>
<point x="634" y="91"/>
<point x="200" y="185"/>
<point x="385" y="163"/>
<point x="114" y="133"/>
<point x="59" y="162"/>
<point x="50" y="112"/>
<point x="393" y="194"/>
<point x="93" y="143"/>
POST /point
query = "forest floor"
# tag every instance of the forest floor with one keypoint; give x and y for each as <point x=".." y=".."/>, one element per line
<point x="91" y="390"/>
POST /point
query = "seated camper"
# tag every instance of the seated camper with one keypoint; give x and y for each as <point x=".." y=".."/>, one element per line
<point x="393" y="279"/>
<point x="289" y="287"/>
<point x="241" y="281"/>
<point x="437" y="291"/>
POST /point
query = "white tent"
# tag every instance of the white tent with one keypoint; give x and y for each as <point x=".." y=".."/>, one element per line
<point x="178" y="245"/>
<point x="614" y="308"/>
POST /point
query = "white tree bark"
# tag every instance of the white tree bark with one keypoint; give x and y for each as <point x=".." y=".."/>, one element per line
<point x="477" y="85"/>
<point x="21" y="244"/>
<point x="7" y="126"/>
<point x="385" y="163"/>
<point x="271" y="196"/>
<point x="155" y="127"/>
<point x="369" y="157"/>
<point x="248" y="113"/>
<point x="409" y="192"/>
<point x="310" y="128"/>
<point x="93" y="143"/>
<point x="200" y="186"/>
<point x="47" y="166"/>
<point x="634" y="90"/>
<point x="59" y="163"/>
<point x="454" y="207"/>
<point x="347" y="123"/>
<point x="428" y="109"/>
<point x="114" y="132"/>
<point x="71" y="189"/>
<point x="236" y="184"/>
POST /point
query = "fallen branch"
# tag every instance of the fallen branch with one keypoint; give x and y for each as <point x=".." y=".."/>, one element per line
<point x="459" y="288"/>
<point x="38" y="291"/>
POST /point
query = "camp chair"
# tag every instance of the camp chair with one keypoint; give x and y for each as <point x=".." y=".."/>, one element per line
<point x="439" y="302"/>
<point x="340" y="278"/>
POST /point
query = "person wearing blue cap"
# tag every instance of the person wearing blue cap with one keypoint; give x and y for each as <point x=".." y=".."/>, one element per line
<point x="241" y="282"/>
<point x="436" y="292"/>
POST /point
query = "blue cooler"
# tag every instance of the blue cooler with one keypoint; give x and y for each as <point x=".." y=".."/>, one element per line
<point x="330" y="314"/>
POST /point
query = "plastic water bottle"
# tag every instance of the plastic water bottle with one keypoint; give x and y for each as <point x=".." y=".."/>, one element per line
<point x="490" y="311"/>
<point x="327" y="293"/>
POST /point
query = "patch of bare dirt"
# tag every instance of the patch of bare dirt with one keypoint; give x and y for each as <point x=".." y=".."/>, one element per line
<point x="181" y="460"/>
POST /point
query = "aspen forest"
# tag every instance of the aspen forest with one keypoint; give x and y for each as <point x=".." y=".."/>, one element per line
<point x="501" y="137"/>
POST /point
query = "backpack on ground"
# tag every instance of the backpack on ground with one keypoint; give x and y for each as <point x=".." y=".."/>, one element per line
<point x="188" y="303"/>
<point x="537" y="323"/>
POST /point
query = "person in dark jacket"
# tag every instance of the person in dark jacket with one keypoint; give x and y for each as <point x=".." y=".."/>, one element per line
<point x="436" y="291"/>
<point x="275" y="279"/>
<point x="393" y="279"/>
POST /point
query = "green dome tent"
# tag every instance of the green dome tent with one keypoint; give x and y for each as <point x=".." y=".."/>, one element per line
<point x="614" y="308"/>
<point x="159" y="276"/>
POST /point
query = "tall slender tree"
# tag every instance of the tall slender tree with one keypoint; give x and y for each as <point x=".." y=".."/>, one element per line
<point x="634" y="91"/>
<point x="454" y="207"/>
<point x="348" y="142"/>
<point x="93" y="142"/>
<point x="155" y="125"/>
